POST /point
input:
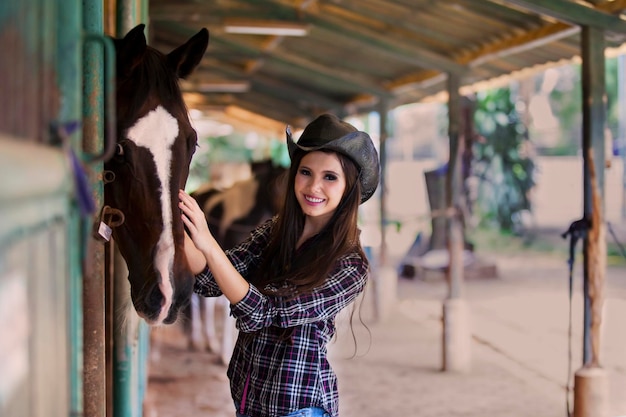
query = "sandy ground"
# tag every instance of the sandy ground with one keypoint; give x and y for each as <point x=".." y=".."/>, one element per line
<point x="522" y="359"/>
<point x="519" y="351"/>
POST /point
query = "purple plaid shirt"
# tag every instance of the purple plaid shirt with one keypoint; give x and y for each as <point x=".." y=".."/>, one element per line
<point x="271" y="377"/>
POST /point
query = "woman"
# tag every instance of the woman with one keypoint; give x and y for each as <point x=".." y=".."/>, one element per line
<point x="289" y="279"/>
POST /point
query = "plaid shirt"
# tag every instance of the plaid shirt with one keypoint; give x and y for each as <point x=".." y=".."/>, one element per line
<point x="271" y="377"/>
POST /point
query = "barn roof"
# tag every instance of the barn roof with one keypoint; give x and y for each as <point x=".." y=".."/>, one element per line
<point x="357" y="53"/>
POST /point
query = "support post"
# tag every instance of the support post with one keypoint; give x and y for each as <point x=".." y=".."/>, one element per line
<point x="93" y="284"/>
<point x="383" y="134"/>
<point x="591" y="381"/>
<point x="621" y="135"/>
<point x="385" y="277"/>
<point x="456" y="332"/>
<point x="69" y="81"/>
<point x="130" y="333"/>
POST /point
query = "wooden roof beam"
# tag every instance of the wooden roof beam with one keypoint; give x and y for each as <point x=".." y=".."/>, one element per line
<point x="273" y="87"/>
<point x="508" y="46"/>
<point x="251" y="121"/>
<point x="277" y="113"/>
<point x="519" y="43"/>
<point x="412" y="55"/>
<point x="417" y="56"/>
<point x="309" y="68"/>
<point x="274" y="110"/>
<point x="280" y="88"/>
<point x="577" y="13"/>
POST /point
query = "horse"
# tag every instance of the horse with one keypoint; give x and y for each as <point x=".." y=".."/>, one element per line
<point x="154" y="146"/>
<point x="232" y="213"/>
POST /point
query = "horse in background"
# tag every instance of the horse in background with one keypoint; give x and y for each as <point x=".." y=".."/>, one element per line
<point x="232" y="213"/>
<point x="155" y="144"/>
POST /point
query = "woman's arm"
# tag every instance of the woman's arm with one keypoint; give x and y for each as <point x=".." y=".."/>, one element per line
<point x="207" y="252"/>
<point x="195" y="258"/>
<point x="342" y="287"/>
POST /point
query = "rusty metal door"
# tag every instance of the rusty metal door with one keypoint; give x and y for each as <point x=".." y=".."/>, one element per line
<point x="39" y="257"/>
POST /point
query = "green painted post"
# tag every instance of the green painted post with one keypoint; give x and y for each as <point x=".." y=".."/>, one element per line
<point x="69" y="81"/>
<point x="142" y="364"/>
<point x="144" y="17"/>
<point x="144" y="330"/>
<point x="131" y="341"/>
<point x="123" y="347"/>
<point x="143" y="342"/>
<point x="123" y="335"/>
<point x="126" y="16"/>
<point x="93" y="286"/>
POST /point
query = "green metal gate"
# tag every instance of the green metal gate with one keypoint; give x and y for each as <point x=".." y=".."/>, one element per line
<point x="35" y="280"/>
<point x="52" y="349"/>
<point x="40" y="311"/>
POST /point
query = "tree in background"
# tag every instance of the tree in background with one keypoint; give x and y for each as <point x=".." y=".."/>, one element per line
<point x="565" y="100"/>
<point x="502" y="161"/>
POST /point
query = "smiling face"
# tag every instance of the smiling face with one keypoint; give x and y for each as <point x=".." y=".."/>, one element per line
<point x="319" y="185"/>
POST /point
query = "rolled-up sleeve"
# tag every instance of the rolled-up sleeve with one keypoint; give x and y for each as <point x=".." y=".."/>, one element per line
<point x="244" y="257"/>
<point x="205" y="284"/>
<point x="346" y="281"/>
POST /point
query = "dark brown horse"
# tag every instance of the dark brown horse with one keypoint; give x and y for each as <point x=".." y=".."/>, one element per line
<point x="155" y="143"/>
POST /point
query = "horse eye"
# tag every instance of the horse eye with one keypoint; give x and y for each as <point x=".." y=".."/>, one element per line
<point x="119" y="153"/>
<point x="192" y="143"/>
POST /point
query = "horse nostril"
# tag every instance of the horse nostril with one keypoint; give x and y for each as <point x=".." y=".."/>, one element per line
<point x="155" y="299"/>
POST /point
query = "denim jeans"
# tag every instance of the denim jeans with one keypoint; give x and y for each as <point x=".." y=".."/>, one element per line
<point x="303" y="412"/>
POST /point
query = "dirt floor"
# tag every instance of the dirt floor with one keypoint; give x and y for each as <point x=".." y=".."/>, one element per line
<point x="183" y="382"/>
<point x="519" y="350"/>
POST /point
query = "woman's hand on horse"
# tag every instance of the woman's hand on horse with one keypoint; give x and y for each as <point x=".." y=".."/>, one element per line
<point x="232" y="284"/>
<point x="194" y="219"/>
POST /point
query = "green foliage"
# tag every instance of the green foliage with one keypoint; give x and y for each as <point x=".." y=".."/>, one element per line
<point x="501" y="161"/>
<point x="504" y="242"/>
<point x="612" y="89"/>
<point x="544" y="243"/>
<point x="279" y="153"/>
<point x="566" y="103"/>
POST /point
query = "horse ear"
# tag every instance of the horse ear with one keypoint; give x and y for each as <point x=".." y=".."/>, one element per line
<point x="136" y="35"/>
<point x="134" y="41"/>
<point x="184" y="59"/>
<point x="131" y="47"/>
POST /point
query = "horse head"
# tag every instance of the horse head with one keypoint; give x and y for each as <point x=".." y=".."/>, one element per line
<point x="155" y="143"/>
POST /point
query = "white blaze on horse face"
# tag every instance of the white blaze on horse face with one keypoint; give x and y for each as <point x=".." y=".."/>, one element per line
<point x="157" y="131"/>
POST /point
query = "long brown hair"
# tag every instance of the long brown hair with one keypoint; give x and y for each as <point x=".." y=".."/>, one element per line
<point x="291" y="275"/>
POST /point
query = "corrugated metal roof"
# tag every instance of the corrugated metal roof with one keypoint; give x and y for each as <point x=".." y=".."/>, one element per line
<point x="359" y="52"/>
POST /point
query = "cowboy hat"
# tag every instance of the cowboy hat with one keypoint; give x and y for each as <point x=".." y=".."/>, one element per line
<point x="329" y="132"/>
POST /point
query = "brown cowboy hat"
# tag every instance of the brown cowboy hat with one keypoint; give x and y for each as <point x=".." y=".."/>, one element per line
<point x="329" y="132"/>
